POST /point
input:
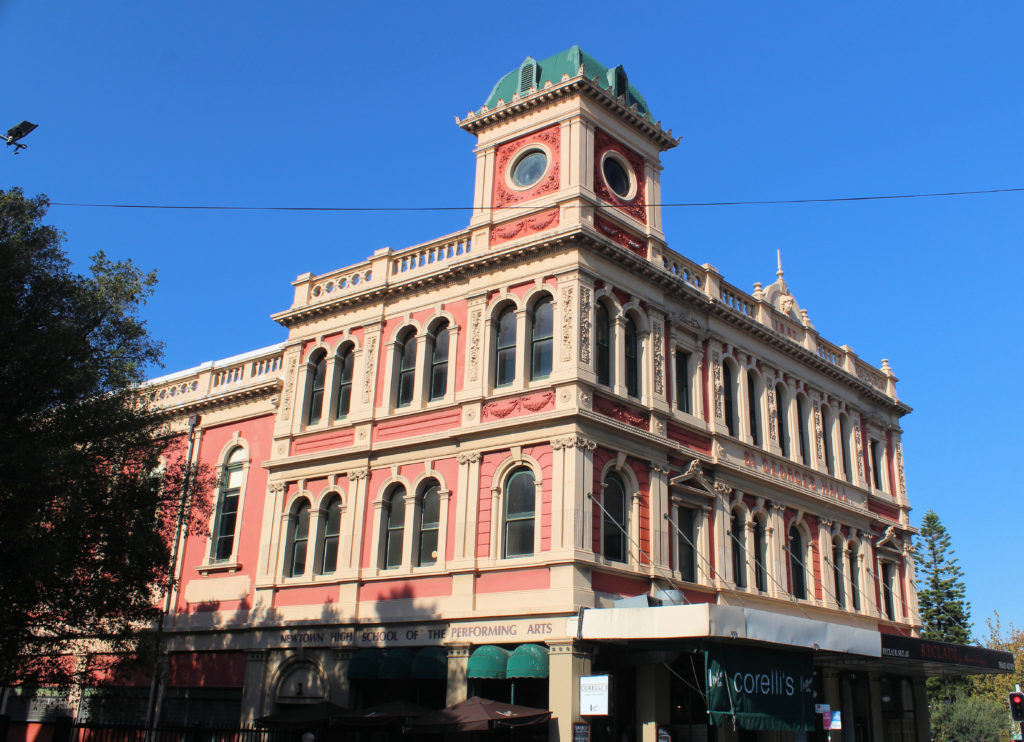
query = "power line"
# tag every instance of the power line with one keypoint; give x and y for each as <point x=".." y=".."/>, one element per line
<point x="690" y="204"/>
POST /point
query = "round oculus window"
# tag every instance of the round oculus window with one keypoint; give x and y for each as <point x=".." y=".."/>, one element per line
<point x="529" y="168"/>
<point x="617" y="176"/>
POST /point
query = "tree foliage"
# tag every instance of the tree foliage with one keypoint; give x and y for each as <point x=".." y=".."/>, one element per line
<point x="88" y="490"/>
<point x="967" y="719"/>
<point x="941" y="591"/>
<point x="996" y="688"/>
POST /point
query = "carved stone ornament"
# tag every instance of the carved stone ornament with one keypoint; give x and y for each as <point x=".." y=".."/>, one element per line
<point x="772" y="412"/>
<point x="716" y="365"/>
<point x="818" y="430"/>
<point x="474" y="344"/>
<point x="659" y="358"/>
<point x="584" y="400"/>
<point x="357" y="474"/>
<point x="371" y="366"/>
<point x="585" y="311"/>
<point x="860" y="451"/>
<point x="469" y="457"/>
<point x="567" y="323"/>
<point x="289" y="388"/>
<point x="695" y="473"/>
<point x="276" y="489"/>
<point x="524" y="227"/>
<point x="505" y="407"/>
<point x="573" y="441"/>
<point x="687" y="317"/>
<point x="899" y="469"/>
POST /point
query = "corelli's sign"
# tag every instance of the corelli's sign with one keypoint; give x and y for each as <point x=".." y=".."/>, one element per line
<point x="759" y="689"/>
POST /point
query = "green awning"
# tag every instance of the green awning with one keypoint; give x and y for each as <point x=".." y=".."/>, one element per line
<point x="527" y="661"/>
<point x="431" y="663"/>
<point x="760" y="689"/>
<point x="364" y="663"/>
<point x="488" y="662"/>
<point x="395" y="664"/>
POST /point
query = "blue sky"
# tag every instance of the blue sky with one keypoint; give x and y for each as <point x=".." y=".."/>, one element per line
<point x="343" y="104"/>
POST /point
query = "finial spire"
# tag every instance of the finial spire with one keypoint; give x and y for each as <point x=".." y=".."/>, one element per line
<point x="778" y="255"/>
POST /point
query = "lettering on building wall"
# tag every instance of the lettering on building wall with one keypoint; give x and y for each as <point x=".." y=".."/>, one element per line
<point x="794" y="476"/>
<point x="376" y="636"/>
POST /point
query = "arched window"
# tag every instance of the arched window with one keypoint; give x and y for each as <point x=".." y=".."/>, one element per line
<point x="542" y="335"/>
<point x="797" y="574"/>
<point x="802" y="431"/>
<point x="852" y="561"/>
<point x="613" y="521"/>
<point x="837" y="571"/>
<point x="439" y="362"/>
<point x="754" y="409"/>
<point x="405" y="355"/>
<point x="889" y="590"/>
<point x="330" y="532"/>
<point x="430" y="523"/>
<point x="844" y="443"/>
<point x="603" y="344"/>
<point x="781" y="418"/>
<point x="317" y="372"/>
<point x="344" y="366"/>
<point x="826" y="433"/>
<point x="298" y="538"/>
<point x="226" y="515"/>
<point x="760" y="555"/>
<point x="632" y="359"/>
<point x="739" y="549"/>
<point x="729" y="398"/>
<point x="520" y="511"/>
<point x="683" y="381"/>
<point x="505" y="355"/>
<point x="394" y="528"/>
<point x="686" y="519"/>
<point x="875" y="457"/>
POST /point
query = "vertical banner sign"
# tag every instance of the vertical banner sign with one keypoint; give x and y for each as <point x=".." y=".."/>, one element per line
<point x="760" y="689"/>
<point x="594" y="695"/>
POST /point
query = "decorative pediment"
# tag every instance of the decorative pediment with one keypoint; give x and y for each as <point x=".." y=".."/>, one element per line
<point x="694" y="476"/>
<point x="891" y="542"/>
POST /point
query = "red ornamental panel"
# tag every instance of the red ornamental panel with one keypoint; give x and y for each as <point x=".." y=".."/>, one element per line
<point x="620" y="236"/>
<point x="523" y="227"/>
<point x="506" y="155"/>
<point x="636" y="206"/>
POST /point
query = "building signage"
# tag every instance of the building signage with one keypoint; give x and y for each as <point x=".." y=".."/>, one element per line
<point x="594" y="695"/>
<point x="527" y="630"/>
<point x="922" y="650"/>
<point x="758" y="689"/>
<point x="792" y="475"/>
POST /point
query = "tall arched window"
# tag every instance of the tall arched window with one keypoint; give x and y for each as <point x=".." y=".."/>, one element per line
<point x="520" y="511"/>
<point x="760" y="555"/>
<point x="826" y="434"/>
<point x="226" y="515"/>
<point x="505" y="354"/>
<point x="394" y="528"/>
<point x="837" y="571"/>
<point x="686" y="519"/>
<point x="632" y="359"/>
<point x="405" y="355"/>
<point x="728" y="398"/>
<point x="330" y="533"/>
<point x="802" y="430"/>
<point x="754" y="409"/>
<point x="542" y="335"/>
<point x="613" y="519"/>
<point x="852" y="561"/>
<point x="344" y="366"/>
<point x="603" y="344"/>
<point x="797" y="573"/>
<point x="781" y="418"/>
<point x="298" y="538"/>
<point x="739" y="549"/>
<point x="439" y="362"/>
<point x="430" y="523"/>
<point x="844" y="443"/>
<point x="317" y="373"/>
<point x="683" y="380"/>
<point x="889" y="590"/>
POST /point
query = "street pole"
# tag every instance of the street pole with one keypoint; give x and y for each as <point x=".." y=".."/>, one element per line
<point x="155" y="685"/>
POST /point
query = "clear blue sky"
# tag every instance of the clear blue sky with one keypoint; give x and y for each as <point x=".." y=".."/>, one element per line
<point x="352" y="104"/>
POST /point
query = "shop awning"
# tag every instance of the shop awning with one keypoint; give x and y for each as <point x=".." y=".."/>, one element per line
<point x="488" y="662"/>
<point x="760" y="689"/>
<point x="431" y="663"/>
<point x="396" y="664"/>
<point x="364" y="664"/>
<point x="527" y="661"/>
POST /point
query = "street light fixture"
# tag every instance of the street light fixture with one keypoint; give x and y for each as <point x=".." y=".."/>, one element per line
<point x="15" y="133"/>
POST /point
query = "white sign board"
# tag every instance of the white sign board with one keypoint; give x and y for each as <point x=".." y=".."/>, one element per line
<point x="837" y="720"/>
<point x="821" y="708"/>
<point x="594" y="695"/>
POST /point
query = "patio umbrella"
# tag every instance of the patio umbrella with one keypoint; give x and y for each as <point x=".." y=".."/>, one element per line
<point x="315" y="714"/>
<point x="392" y="713"/>
<point x="478" y="714"/>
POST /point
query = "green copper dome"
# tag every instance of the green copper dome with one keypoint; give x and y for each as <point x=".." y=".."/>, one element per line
<point x="534" y="74"/>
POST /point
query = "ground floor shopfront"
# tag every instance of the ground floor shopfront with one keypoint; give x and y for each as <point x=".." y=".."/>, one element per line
<point x="694" y="672"/>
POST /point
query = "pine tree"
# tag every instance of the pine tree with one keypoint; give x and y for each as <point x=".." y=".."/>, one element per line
<point x="941" y="592"/>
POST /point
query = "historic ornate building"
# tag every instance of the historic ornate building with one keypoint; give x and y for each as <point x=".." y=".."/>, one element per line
<point x="550" y="447"/>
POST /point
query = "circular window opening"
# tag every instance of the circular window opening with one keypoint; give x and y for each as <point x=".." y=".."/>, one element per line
<point x="617" y="176"/>
<point x="529" y="168"/>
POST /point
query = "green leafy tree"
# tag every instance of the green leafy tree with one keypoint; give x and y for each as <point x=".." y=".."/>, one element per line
<point x="941" y="592"/>
<point x="967" y="719"/>
<point x="88" y="489"/>
<point x="995" y="688"/>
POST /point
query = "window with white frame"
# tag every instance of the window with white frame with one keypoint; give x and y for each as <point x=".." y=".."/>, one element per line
<point x="875" y="454"/>
<point x="760" y="553"/>
<point x="394" y="528"/>
<point x="438" y="377"/>
<point x="729" y="396"/>
<point x="803" y="429"/>
<point x="613" y="519"/>
<point x="344" y="365"/>
<point x="316" y="376"/>
<point x="329" y="536"/>
<point x="738" y="547"/>
<point x="603" y="344"/>
<point x="853" y="561"/>
<point x="889" y="594"/>
<point x="298" y="538"/>
<point x="520" y="510"/>
<point x="797" y="569"/>
<point x="542" y="336"/>
<point x="405" y="364"/>
<point x="837" y="571"/>
<point x="686" y="542"/>
<point x="632" y="359"/>
<point x="754" y="408"/>
<point x="782" y="417"/>
<point x="505" y="347"/>
<point x="827" y="422"/>
<point x="429" y="524"/>
<point x="844" y="444"/>
<point x="226" y="513"/>
<point x="682" y="371"/>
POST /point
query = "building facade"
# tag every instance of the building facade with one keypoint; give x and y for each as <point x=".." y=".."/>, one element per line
<point x="545" y="448"/>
